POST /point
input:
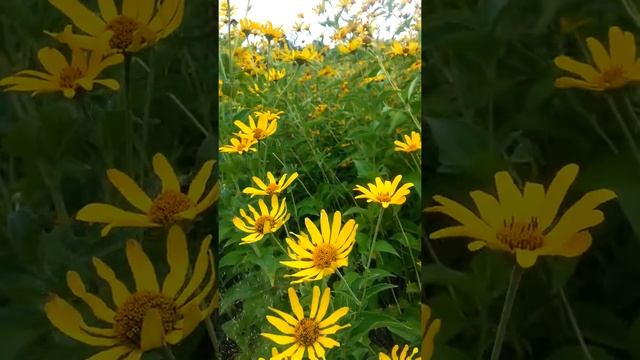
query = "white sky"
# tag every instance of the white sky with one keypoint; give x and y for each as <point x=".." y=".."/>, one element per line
<point x="284" y="13"/>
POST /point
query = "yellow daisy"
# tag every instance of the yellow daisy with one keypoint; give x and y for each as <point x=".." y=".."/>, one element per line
<point x="273" y="188"/>
<point x="239" y="145"/>
<point x="71" y="78"/>
<point x="306" y="334"/>
<point x="402" y="356"/>
<point x="397" y="49"/>
<point x="138" y="25"/>
<point x="269" y="115"/>
<point x="168" y="207"/>
<point x="524" y="223"/>
<point x="264" y="222"/>
<point x="150" y="316"/>
<point x="301" y="57"/>
<point x="350" y="47"/>
<point x="275" y="75"/>
<point x="429" y="331"/>
<point x="385" y="193"/>
<point x="613" y="70"/>
<point x="270" y="32"/>
<point x="327" y="251"/>
<point x="411" y="143"/>
<point x="258" y="131"/>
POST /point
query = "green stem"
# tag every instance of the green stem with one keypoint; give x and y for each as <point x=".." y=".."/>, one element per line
<point x="355" y="298"/>
<point x="168" y="354"/>
<point x="189" y="114"/>
<point x="624" y="128"/>
<point x="212" y="336"/>
<point x="512" y="290"/>
<point x="128" y="118"/>
<point x="279" y="244"/>
<point x="574" y="324"/>
<point x="146" y="114"/>
<point x="631" y="111"/>
<point x="375" y="235"/>
<point x="413" y="260"/>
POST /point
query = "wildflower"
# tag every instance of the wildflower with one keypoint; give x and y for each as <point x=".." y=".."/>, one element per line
<point x="274" y="75"/>
<point x="402" y="356"/>
<point x="411" y="143"/>
<point x="264" y="222"/>
<point x="239" y="145"/>
<point x="385" y="193"/>
<point x="398" y="49"/>
<point x="368" y="80"/>
<point x="167" y="208"/>
<point x="326" y="71"/>
<point x="416" y="66"/>
<point x="351" y="46"/>
<point x="429" y="332"/>
<point x="149" y="317"/>
<point x="138" y="26"/>
<point x="273" y="188"/>
<point x="248" y="27"/>
<point x="318" y="110"/>
<point x="274" y="355"/>
<point x="613" y="70"/>
<point x="258" y="131"/>
<point x="310" y="334"/>
<point x="255" y="89"/>
<point x="70" y="78"/>
<point x="304" y="56"/>
<point x="327" y="251"/>
<point x="220" y="82"/>
<point x="270" y="116"/>
<point x="521" y="223"/>
<point x="271" y="33"/>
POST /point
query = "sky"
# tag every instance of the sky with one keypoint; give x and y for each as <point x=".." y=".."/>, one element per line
<point x="284" y="13"/>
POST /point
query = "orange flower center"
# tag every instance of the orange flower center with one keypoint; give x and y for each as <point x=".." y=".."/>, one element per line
<point x="264" y="224"/>
<point x="613" y="77"/>
<point x="130" y="316"/>
<point x="383" y="197"/>
<point x="123" y="28"/>
<point x="271" y="188"/>
<point x="324" y="255"/>
<point x="68" y="77"/>
<point x="166" y="205"/>
<point x="307" y="332"/>
<point x="258" y="134"/>
<point x="521" y="235"/>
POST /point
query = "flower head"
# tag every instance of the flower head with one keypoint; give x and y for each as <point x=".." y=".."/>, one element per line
<point x="69" y="77"/>
<point x="268" y="115"/>
<point x="274" y="75"/>
<point x="256" y="130"/>
<point x="168" y="207"/>
<point x="150" y="316"/>
<point x="239" y="145"/>
<point x="385" y="193"/>
<point x="613" y="70"/>
<point x="351" y="46"/>
<point x="324" y="250"/>
<point x="270" y="32"/>
<point x="264" y="222"/>
<point x="398" y="49"/>
<point x="138" y="25"/>
<point x="404" y="355"/>
<point x="523" y="223"/>
<point x="310" y="333"/>
<point x="301" y="57"/>
<point x="429" y="331"/>
<point x="273" y="187"/>
<point x="411" y="143"/>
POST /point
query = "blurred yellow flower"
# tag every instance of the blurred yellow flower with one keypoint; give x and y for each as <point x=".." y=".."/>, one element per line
<point x="385" y="193"/>
<point x="274" y="74"/>
<point x="613" y="70"/>
<point x="263" y="222"/>
<point x="270" y="116"/>
<point x="273" y="187"/>
<point x="326" y="71"/>
<point x="368" y="80"/>
<point x="411" y="143"/>
<point x="404" y="355"/>
<point x="397" y="49"/>
<point x="248" y="27"/>
<point x="239" y="145"/>
<point x="429" y="331"/>
<point x="524" y="223"/>
<point x="304" y="56"/>
<point x="270" y="32"/>
<point x="350" y="47"/>
<point x="310" y="334"/>
<point x="258" y="131"/>
<point x="148" y="318"/>
<point x="139" y="24"/>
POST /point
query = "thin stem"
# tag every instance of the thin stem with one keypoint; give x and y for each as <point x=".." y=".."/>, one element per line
<point x="632" y="112"/>
<point x="574" y="324"/>
<point x="413" y="260"/>
<point x="355" y="298"/>
<point x="625" y="129"/>
<point x="189" y="114"/>
<point x="212" y="336"/>
<point x="375" y="235"/>
<point x="512" y="290"/>
<point x="168" y="354"/>
<point x="279" y="244"/>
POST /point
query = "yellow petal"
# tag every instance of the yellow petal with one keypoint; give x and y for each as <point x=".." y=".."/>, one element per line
<point x="324" y="304"/>
<point x="52" y="60"/>
<point x="279" y="339"/>
<point x="281" y="325"/>
<point x="69" y="321"/>
<point x="178" y="260"/>
<point x="295" y="304"/>
<point x="165" y="172"/>
<point x="98" y="307"/>
<point x="82" y="17"/>
<point x="556" y="193"/>
<point x="209" y="199"/>
<point x="315" y="300"/>
<point x="113" y="353"/>
<point x="108" y="9"/>
<point x="152" y="333"/>
<point x="175" y="21"/>
<point x="508" y="194"/>
<point x="196" y="189"/>
<point x="526" y="258"/>
<point x="141" y="267"/>
<point x="119" y="291"/>
<point x="145" y="10"/>
<point x="488" y="208"/>
<point x="567" y="82"/>
<point x="599" y="54"/>
<point x="199" y="271"/>
<point x="586" y="71"/>
<point x="576" y="246"/>
<point x="129" y="189"/>
<point x="333" y="318"/>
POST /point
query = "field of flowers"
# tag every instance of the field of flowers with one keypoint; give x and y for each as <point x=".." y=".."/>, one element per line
<point x="532" y="171"/>
<point x="320" y="185"/>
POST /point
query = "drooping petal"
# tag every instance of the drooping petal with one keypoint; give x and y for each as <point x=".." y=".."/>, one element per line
<point x="119" y="291"/>
<point x="199" y="272"/>
<point x="586" y="71"/>
<point x="98" y="307"/>
<point x="526" y="258"/>
<point x="69" y="321"/>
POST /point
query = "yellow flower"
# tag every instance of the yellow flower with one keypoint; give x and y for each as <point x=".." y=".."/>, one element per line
<point x="385" y="193"/>
<point x="136" y="27"/>
<point x="269" y="115"/>
<point x="304" y="333"/>
<point x="263" y="222"/>
<point x="220" y="88"/>
<point x="318" y="110"/>
<point x="239" y="145"/>
<point x="273" y="188"/>
<point x="326" y="71"/>
<point x="402" y="356"/>
<point x="613" y="70"/>
<point x="70" y="78"/>
<point x="274" y="354"/>
<point x="255" y="89"/>
<point x="274" y="75"/>
<point x="350" y="47"/>
<point x="524" y="222"/>
<point x="429" y="332"/>
<point x="398" y="49"/>
<point x="301" y="57"/>
<point x="258" y="131"/>
<point x="248" y="27"/>
<point x="149" y="317"/>
<point x="377" y="78"/>
<point x="168" y="207"/>
<point x="327" y="250"/>
<point x="270" y="32"/>
<point x="411" y="143"/>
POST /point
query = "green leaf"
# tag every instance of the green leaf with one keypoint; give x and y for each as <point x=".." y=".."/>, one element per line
<point x="384" y="246"/>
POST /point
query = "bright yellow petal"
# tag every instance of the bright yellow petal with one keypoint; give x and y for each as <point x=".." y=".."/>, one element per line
<point x="333" y="318"/>
<point x="178" y="260"/>
<point x="199" y="271"/>
<point x="279" y="339"/>
<point x="119" y="291"/>
<point x="82" y="17"/>
<point x="281" y="325"/>
<point x="586" y="71"/>
<point x="315" y="300"/>
<point x="141" y="267"/>
<point x="152" y="333"/>
<point x="324" y="304"/>
<point x="295" y="304"/>
<point x="165" y="172"/>
<point x="69" y="321"/>
<point x="129" y="189"/>
<point x="196" y="189"/>
<point x="98" y="307"/>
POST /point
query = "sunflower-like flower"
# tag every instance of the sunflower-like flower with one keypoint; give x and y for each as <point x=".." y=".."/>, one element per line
<point x="256" y="130"/>
<point x="263" y="222"/>
<point x="328" y="249"/>
<point x="239" y="145"/>
<point x="274" y="75"/>
<point x="613" y="70"/>
<point x="411" y="143"/>
<point x="429" y="331"/>
<point x="139" y="24"/>
<point x="269" y="115"/>
<point x="150" y="316"/>
<point x="351" y="46"/>
<point x="327" y="71"/>
<point x="273" y="188"/>
<point x="397" y="49"/>
<point x="404" y="355"/>
<point x="80" y="74"/>
<point x="306" y="334"/>
<point x="167" y="208"/>
<point x="301" y="57"/>
<point x="270" y="32"/>
<point x="524" y="223"/>
<point x="248" y="27"/>
<point x="385" y="193"/>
